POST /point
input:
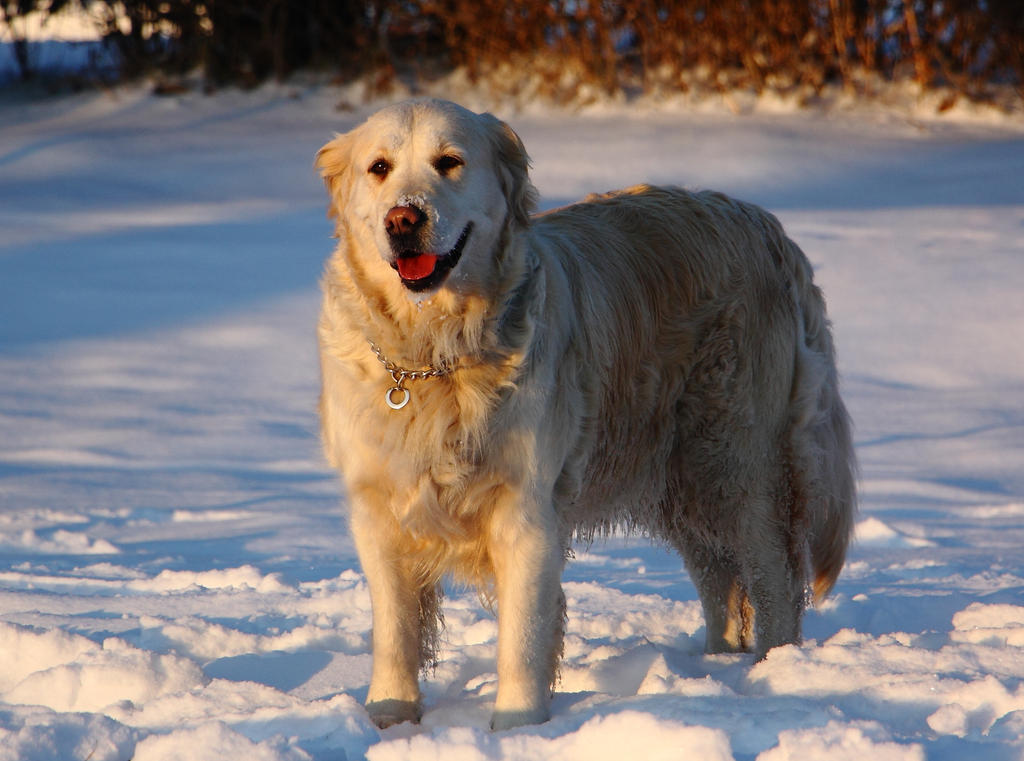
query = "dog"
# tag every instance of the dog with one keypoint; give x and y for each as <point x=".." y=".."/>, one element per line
<point x="496" y="384"/>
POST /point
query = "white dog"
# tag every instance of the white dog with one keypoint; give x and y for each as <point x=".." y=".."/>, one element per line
<point x="495" y="383"/>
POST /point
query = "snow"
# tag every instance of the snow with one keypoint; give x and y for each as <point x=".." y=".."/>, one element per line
<point x="176" y="577"/>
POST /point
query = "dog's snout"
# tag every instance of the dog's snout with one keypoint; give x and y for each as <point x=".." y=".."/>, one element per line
<point x="402" y="220"/>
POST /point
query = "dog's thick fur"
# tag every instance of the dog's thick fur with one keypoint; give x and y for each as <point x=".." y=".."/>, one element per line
<point x="651" y="359"/>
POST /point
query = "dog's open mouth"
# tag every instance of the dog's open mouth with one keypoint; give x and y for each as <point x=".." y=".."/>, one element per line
<point x="422" y="270"/>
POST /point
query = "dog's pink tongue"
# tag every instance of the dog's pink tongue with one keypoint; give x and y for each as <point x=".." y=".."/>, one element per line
<point x="416" y="267"/>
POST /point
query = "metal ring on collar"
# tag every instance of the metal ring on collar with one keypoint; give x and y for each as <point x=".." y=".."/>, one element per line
<point x="393" y="404"/>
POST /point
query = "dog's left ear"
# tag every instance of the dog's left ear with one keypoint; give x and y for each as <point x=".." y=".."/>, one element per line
<point x="513" y="166"/>
<point x="333" y="162"/>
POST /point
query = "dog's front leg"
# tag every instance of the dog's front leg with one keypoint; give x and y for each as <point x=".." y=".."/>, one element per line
<point x="528" y="556"/>
<point x="394" y="694"/>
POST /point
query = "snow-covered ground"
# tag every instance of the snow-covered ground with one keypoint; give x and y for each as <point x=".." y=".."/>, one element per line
<point x="176" y="578"/>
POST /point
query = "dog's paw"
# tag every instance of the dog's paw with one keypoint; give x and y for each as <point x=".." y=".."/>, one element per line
<point x="512" y="719"/>
<point x="725" y="647"/>
<point x="387" y="713"/>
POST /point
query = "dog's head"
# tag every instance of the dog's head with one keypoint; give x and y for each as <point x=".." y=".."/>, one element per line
<point x="426" y="189"/>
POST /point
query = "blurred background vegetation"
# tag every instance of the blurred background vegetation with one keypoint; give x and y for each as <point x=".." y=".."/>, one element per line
<point x="607" y="45"/>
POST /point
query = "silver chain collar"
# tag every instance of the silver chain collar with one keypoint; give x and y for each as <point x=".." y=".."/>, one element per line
<point x="400" y="375"/>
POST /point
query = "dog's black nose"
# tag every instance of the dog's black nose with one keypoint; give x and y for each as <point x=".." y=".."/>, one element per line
<point x="402" y="220"/>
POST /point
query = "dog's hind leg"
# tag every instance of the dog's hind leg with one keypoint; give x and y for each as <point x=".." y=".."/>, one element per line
<point x="776" y="584"/>
<point x="728" y="615"/>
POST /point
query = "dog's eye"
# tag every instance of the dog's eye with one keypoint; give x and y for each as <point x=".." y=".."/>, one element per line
<point x="445" y="164"/>
<point x="380" y="167"/>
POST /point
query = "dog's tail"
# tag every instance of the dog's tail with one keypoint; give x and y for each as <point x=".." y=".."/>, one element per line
<point x="824" y="467"/>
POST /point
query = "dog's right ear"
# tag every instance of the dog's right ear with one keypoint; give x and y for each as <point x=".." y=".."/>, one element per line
<point x="333" y="161"/>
